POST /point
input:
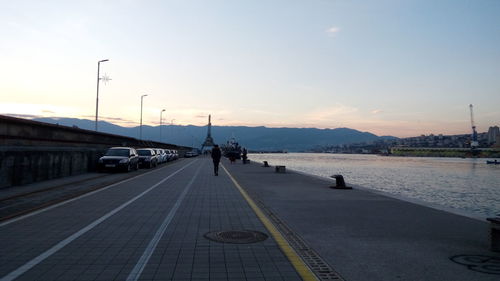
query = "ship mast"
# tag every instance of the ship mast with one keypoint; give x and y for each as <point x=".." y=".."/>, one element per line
<point x="474" y="143"/>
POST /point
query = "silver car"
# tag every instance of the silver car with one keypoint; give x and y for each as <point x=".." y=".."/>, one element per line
<point x="162" y="155"/>
<point x="147" y="157"/>
<point x="169" y="154"/>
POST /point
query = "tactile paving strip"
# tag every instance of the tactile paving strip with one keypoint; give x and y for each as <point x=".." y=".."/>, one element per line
<point x="321" y="269"/>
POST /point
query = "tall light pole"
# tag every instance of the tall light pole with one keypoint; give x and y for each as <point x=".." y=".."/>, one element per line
<point x="161" y="119"/>
<point x="172" y="127"/>
<point x="97" y="99"/>
<point x="140" y="127"/>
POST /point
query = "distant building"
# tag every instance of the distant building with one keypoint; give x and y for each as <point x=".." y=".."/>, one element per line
<point x="493" y="134"/>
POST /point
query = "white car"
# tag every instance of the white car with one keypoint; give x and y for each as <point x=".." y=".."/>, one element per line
<point x="170" y="155"/>
<point x="176" y="154"/>
<point x="191" y="154"/>
<point x="162" y="156"/>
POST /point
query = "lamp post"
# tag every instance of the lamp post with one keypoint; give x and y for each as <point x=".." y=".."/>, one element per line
<point x="161" y="119"/>
<point x="97" y="99"/>
<point x="172" y="127"/>
<point x="140" y="127"/>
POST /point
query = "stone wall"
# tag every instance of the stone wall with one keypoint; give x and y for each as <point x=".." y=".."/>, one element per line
<point x="23" y="165"/>
<point x="33" y="151"/>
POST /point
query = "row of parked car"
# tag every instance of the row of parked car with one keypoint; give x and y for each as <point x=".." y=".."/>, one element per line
<point x="128" y="158"/>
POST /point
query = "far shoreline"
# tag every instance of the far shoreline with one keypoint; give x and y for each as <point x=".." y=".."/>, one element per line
<point x="493" y="153"/>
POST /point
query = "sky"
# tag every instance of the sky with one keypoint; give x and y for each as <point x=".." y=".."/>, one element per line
<point x="389" y="67"/>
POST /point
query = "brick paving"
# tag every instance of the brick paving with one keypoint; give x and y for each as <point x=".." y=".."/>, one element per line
<point x="110" y="249"/>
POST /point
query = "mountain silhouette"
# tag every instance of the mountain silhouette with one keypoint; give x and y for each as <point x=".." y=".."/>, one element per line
<point x="253" y="138"/>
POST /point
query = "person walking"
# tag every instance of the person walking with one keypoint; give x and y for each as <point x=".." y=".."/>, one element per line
<point x="216" y="155"/>
<point x="244" y="155"/>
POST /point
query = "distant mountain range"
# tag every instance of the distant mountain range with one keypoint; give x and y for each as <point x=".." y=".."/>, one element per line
<point x="253" y="138"/>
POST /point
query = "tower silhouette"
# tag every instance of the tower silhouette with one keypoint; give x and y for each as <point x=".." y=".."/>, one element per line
<point x="209" y="141"/>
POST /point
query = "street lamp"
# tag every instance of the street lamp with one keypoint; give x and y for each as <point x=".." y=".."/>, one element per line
<point x="97" y="99"/>
<point x="161" y="119"/>
<point x="140" y="127"/>
<point x="172" y="127"/>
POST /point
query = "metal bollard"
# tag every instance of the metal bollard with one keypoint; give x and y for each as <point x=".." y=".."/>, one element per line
<point x="495" y="233"/>
<point x="280" y="169"/>
<point x="339" y="182"/>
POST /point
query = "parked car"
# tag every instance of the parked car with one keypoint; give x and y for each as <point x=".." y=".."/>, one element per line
<point x="119" y="158"/>
<point x="176" y="154"/>
<point x="147" y="157"/>
<point x="191" y="154"/>
<point x="170" y="155"/>
<point x="162" y="155"/>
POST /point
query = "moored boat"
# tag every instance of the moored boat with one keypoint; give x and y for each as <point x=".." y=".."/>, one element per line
<point x="232" y="149"/>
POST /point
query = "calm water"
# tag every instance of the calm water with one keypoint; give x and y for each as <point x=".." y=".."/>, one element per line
<point x="468" y="185"/>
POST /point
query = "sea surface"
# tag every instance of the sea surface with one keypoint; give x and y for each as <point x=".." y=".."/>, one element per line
<point x="467" y="186"/>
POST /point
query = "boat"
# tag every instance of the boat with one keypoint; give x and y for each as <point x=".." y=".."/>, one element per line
<point x="494" y="162"/>
<point x="232" y="149"/>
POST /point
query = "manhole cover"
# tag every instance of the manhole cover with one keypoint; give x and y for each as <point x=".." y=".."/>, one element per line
<point x="236" y="236"/>
<point x="479" y="263"/>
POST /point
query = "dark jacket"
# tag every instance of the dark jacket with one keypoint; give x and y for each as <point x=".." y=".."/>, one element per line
<point x="216" y="154"/>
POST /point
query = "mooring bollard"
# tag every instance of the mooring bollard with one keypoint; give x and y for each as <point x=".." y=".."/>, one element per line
<point x="495" y="233"/>
<point x="280" y="169"/>
<point x="266" y="164"/>
<point x="339" y="182"/>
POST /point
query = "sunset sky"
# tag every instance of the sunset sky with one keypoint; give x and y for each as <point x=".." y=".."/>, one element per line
<point x="401" y="68"/>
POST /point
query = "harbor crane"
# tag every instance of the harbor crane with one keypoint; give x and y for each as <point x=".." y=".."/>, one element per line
<point x="474" y="143"/>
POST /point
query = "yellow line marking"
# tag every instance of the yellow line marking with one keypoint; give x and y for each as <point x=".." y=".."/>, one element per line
<point x="303" y="270"/>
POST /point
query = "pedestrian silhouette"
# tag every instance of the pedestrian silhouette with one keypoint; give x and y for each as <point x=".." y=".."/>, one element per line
<point x="216" y="155"/>
<point x="244" y="155"/>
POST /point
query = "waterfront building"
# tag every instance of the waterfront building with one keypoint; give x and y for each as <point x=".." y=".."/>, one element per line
<point x="493" y="133"/>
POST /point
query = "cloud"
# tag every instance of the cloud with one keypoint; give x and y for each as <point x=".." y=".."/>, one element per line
<point x="265" y="113"/>
<point x="105" y="117"/>
<point x="377" y="111"/>
<point x="332" y="113"/>
<point x="333" y="30"/>
<point x="114" y="120"/>
<point x="24" y="116"/>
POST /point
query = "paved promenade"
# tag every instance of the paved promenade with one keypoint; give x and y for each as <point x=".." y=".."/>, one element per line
<point x="365" y="235"/>
<point x="152" y="227"/>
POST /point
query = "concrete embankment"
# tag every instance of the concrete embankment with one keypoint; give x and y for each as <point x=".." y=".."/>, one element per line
<point x="365" y="235"/>
<point x="33" y="151"/>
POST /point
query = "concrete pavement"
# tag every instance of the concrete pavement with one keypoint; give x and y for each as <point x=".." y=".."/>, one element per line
<point x="153" y="227"/>
<point x="365" y="235"/>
